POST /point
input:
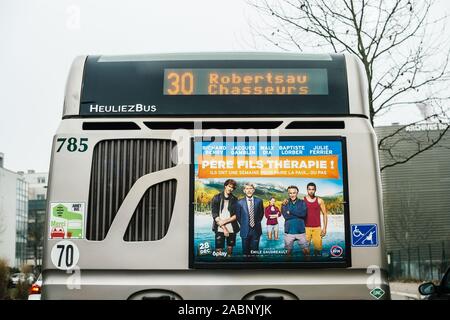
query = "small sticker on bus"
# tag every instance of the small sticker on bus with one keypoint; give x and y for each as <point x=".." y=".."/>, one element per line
<point x="364" y="235"/>
<point x="66" y="220"/>
<point x="65" y="255"/>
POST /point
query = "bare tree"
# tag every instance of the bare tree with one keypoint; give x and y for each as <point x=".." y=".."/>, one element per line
<point x="36" y="236"/>
<point x="406" y="142"/>
<point x="402" y="48"/>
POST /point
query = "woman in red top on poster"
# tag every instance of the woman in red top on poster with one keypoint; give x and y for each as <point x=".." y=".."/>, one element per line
<point x="272" y="212"/>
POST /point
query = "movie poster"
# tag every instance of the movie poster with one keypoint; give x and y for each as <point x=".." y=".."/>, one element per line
<point x="263" y="201"/>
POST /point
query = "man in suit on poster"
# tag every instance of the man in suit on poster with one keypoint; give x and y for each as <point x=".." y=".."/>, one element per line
<point x="249" y="213"/>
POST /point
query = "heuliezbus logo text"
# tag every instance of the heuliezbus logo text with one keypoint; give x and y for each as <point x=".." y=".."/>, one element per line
<point x="124" y="108"/>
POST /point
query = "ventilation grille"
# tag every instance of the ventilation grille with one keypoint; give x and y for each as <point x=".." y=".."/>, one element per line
<point x="116" y="166"/>
<point x="316" y="125"/>
<point x="152" y="216"/>
<point x="110" y="126"/>
<point x="205" y="125"/>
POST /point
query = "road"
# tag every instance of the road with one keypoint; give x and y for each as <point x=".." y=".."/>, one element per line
<point x="404" y="291"/>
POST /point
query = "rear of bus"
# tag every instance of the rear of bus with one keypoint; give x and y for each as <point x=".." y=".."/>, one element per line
<point x="138" y="205"/>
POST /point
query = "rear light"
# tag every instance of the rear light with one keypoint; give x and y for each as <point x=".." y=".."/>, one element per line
<point x="35" y="289"/>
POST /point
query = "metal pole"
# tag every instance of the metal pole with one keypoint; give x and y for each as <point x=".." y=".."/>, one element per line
<point x="431" y="262"/>
<point x="418" y="261"/>
<point x="409" y="264"/>
<point x="442" y="265"/>
<point x="392" y="266"/>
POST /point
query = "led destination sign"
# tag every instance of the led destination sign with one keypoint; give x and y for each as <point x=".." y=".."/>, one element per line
<point x="245" y="82"/>
<point x="235" y="88"/>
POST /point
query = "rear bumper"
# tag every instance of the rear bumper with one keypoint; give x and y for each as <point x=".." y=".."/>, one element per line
<point x="34" y="297"/>
<point x="214" y="284"/>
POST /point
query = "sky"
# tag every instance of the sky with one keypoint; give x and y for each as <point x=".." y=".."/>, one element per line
<point x="40" y="39"/>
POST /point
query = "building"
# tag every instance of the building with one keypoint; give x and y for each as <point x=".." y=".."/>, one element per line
<point x="37" y="195"/>
<point x="13" y="216"/>
<point x="37" y="184"/>
<point x="416" y="202"/>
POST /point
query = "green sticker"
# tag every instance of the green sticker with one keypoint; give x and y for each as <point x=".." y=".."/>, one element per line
<point x="67" y="220"/>
<point x="377" y="293"/>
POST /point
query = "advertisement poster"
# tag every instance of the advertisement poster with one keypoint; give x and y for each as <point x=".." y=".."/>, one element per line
<point x="262" y="202"/>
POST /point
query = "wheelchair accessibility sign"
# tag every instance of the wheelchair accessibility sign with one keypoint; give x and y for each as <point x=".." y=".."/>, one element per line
<point x="364" y="235"/>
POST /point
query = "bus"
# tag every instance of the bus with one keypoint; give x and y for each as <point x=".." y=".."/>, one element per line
<point x="238" y="175"/>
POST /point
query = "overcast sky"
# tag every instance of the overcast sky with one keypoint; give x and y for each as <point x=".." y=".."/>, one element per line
<point x="40" y="38"/>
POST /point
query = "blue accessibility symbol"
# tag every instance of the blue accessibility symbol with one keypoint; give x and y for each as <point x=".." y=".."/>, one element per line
<point x="364" y="235"/>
